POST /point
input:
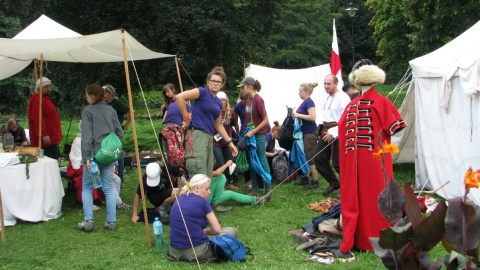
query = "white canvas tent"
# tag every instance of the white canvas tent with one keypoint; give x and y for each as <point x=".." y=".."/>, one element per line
<point x="280" y="88"/>
<point x="54" y="42"/>
<point x="58" y="43"/>
<point x="443" y="133"/>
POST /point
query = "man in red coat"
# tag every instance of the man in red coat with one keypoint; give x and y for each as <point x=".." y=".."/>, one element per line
<point x="51" y="129"/>
<point x="368" y="119"/>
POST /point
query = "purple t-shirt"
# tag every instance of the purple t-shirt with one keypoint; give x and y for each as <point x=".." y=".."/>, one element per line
<point x="174" y="115"/>
<point x="257" y="113"/>
<point x="195" y="210"/>
<point x="271" y="143"/>
<point x="307" y="126"/>
<point x="239" y="110"/>
<point x="205" y="111"/>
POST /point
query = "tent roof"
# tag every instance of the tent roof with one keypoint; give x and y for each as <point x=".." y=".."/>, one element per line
<point x="461" y="52"/>
<point x="61" y="44"/>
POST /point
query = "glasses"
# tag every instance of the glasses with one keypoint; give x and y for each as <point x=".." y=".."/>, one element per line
<point x="215" y="82"/>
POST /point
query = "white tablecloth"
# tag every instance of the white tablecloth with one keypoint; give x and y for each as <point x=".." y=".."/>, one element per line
<point x="38" y="198"/>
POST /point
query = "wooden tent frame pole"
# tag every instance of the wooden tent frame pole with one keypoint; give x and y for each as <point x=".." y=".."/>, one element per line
<point x="4" y="237"/>
<point x="134" y="133"/>
<point x="178" y="73"/>
<point x="40" y="103"/>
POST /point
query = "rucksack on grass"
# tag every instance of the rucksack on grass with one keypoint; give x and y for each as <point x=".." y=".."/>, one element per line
<point x="280" y="167"/>
<point x="228" y="248"/>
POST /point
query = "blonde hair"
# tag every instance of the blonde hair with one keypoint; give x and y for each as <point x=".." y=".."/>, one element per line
<point x="198" y="180"/>
<point x="308" y="87"/>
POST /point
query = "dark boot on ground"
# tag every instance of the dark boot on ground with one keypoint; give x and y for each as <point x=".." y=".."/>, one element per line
<point x="303" y="181"/>
<point x="312" y="185"/>
<point x="331" y="188"/>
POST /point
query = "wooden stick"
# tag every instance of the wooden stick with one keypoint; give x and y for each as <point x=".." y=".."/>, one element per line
<point x="4" y="238"/>
<point x="178" y="73"/>
<point x="134" y="133"/>
<point x="40" y="103"/>
<point x="431" y="191"/>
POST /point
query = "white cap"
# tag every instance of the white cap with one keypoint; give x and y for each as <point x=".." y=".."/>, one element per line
<point x="222" y="95"/>
<point x="45" y="82"/>
<point x="153" y="174"/>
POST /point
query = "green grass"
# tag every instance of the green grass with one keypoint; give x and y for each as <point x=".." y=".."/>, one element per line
<point x="57" y="244"/>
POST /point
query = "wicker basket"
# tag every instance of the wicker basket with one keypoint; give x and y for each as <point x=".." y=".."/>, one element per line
<point x="33" y="151"/>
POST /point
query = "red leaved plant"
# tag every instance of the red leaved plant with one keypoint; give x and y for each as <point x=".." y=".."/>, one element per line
<point x="411" y="235"/>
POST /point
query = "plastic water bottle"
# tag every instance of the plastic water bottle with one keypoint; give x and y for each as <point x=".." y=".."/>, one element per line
<point x="97" y="182"/>
<point x="158" y="231"/>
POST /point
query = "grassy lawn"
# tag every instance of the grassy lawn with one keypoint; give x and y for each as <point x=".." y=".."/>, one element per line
<point x="57" y="244"/>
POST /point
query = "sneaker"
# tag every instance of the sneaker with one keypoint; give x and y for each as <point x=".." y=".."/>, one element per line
<point x="222" y="209"/>
<point x="231" y="187"/>
<point x="85" y="225"/>
<point x="312" y="185"/>
<point x="124" y="206"/>
<point x="261" y="200"/>
<point x="331" y="188"/>
<point x="253" y="192"/>
<point x="162" y="212"/>
<point x="248" y="184"/>
<point x="110" y="226"/>
<point x="303" y="181"/>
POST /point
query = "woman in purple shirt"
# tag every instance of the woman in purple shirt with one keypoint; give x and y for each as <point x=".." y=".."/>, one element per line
<point x="196" y="213"/>
<point x="205" y="120"/>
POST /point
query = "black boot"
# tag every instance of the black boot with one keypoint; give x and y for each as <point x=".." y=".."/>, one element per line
<point x="303" y="181"/>
<point x="312" y="185"/>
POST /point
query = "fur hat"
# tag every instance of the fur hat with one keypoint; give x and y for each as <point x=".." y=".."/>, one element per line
<point x="365" y="73"/>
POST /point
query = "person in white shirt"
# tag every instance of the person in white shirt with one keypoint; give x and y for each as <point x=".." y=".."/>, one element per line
<point x="327" y="144"/>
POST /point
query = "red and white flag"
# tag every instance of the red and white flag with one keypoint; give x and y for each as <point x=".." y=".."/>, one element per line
<point x="335" y="63"/>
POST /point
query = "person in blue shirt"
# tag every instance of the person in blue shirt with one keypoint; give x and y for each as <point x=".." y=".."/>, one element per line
<point x="193" y="211"/>
<point x="204" y="123"/>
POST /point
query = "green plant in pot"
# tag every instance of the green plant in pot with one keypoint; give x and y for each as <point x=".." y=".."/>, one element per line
<point x="411" y="234"/>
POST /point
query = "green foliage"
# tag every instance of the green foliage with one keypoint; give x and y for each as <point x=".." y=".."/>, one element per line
<point x="408" y="29"/>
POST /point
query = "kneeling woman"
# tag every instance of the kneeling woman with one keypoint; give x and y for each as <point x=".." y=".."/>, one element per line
<point x="197" y="213"/>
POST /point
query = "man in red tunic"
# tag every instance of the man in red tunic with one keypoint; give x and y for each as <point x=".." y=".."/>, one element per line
<point x="51" y="133"/>
<point x="368" y="119"/>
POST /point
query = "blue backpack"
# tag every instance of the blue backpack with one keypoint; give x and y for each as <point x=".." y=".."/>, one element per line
<point x="228" y="248"/>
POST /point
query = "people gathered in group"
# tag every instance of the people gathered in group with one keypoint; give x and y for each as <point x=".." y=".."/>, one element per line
<point x="188" y="194"/>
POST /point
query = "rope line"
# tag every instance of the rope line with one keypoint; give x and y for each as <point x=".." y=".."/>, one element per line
<point x="164" y="156"/>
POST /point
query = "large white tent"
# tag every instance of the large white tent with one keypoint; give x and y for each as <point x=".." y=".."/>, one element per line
<point x="54" y="42"/>
<point x="47" y="40"/>
<point x="280" y="88"/>
<point x="443" y="115"/>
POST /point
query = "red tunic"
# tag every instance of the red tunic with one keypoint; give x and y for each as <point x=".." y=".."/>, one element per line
<point x="50" y="121"/>
<point x="366" y="119"/>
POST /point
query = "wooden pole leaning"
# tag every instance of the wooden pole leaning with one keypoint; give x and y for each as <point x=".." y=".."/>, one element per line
<point x="40" y="103"/>
<point x="178" y="73"/>
<point x="4" y="237"/>
<point x="134" y="133"/>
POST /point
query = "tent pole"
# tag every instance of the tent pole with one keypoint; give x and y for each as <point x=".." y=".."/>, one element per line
<point x="134" y="133"/>
<point x="40" y="103"/>
<point x="178" y="73"/>
<point x="4" y="238"/>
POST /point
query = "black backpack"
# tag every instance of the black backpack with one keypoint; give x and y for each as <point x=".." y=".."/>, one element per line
<point x="280" y="167"/>
<point x="285" y="136"/>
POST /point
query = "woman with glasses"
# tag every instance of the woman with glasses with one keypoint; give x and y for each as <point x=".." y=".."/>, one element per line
<point x="205" y="122"/>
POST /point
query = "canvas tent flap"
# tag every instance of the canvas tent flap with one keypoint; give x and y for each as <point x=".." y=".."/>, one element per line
<point x="16" y="54"/>
<point x="280" y="88"/>
<point x="446" y="85"/>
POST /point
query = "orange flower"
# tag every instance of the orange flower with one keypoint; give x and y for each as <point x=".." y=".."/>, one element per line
<point x="378" y="155"/>
<point x="472" y="178"/>
<point x="390" y="148"/>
